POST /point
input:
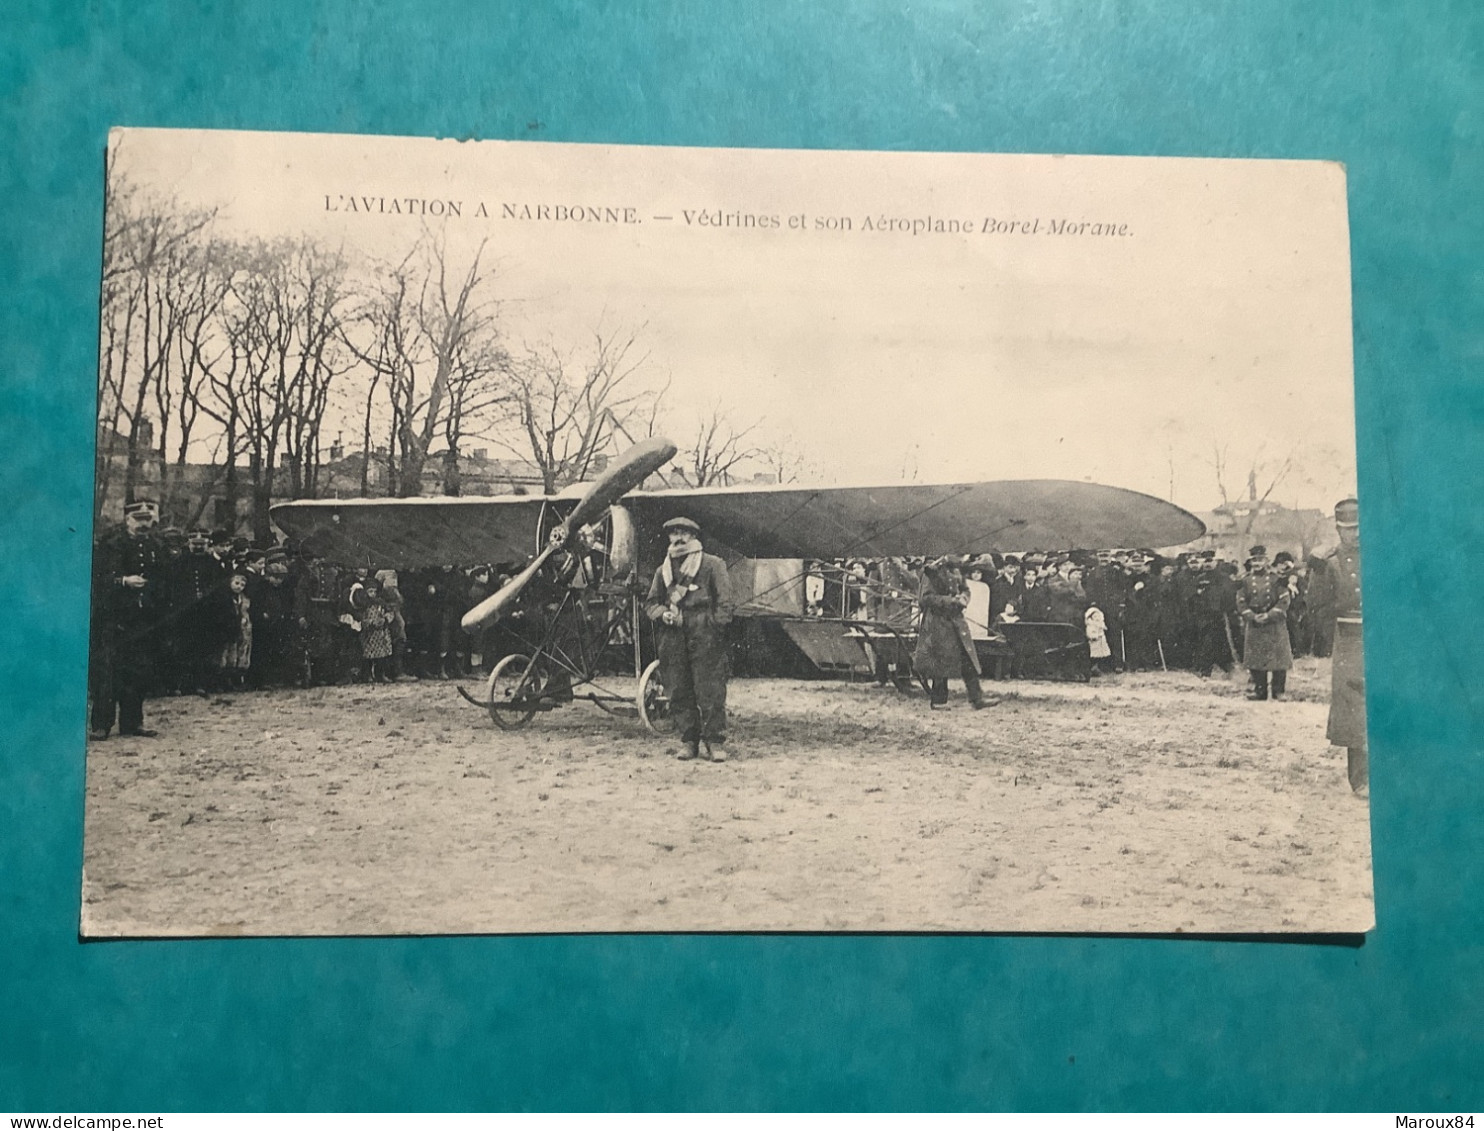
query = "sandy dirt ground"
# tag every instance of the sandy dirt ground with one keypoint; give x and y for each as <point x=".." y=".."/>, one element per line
<point x="1150" y="802"/>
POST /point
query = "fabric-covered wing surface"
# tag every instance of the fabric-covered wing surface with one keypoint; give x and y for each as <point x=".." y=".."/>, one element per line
<point x="414" y="533"/>
<point x="839" y="522"/>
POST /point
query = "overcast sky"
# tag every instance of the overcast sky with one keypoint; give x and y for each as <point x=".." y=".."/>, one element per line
<point x="1221" y="315"/>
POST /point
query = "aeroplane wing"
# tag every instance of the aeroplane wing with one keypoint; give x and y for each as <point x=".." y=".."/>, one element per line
<point x="758" y="522"/>
<point x="414" y="533"/>
<point x="902" y="521"/>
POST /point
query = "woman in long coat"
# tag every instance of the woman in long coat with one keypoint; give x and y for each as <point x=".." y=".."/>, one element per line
<point x="1263" y="601"/>
<point x="945" y="647"/>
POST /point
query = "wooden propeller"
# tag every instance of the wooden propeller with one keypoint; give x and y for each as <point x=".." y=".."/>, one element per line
<point x="626" y="472"/>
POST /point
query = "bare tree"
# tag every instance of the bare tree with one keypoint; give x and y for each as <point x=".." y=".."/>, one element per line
<point x="428" y="333"/>
<point x="567" y="409"/>
<point x="152" y="270"/>
<point x="221" y="402"/>
<point x="1218" y="464"/>
<point x="1270" y="471"/>
<point x="455" y="321"/>
<point x="717" y="448"/>
<point x="121" y="300"/>
<point x="785" y="462"/>
<point x="382" y="334"/>
<point x="319" y="276"/>
<point x="478" y="385"/>
<point x="282" y="325"/>
<point x="197" y="285"/>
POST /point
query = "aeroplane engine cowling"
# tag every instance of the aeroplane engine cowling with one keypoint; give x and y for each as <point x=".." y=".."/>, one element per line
<point x="623" y="549"/>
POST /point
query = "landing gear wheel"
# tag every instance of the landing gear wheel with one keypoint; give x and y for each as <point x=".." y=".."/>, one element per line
<point x="508" y="678"/>
<point x="654" y="702"/>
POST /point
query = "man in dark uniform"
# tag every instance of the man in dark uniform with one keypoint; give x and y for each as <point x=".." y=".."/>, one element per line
<point x="1141" y="615"/>
<point x="1347" y="688"/>
<point x="690" y="603"/>
<point x="126" y="580"/>
<point x="1210" y="600"/>
<point x="1188" y="578"/>
<point x="1263" y="601"/>
<point x="1171" y="613"/>
<point x="277" y="654"/>
<point x="192" y="584"/>
<point x="171" y="541"/>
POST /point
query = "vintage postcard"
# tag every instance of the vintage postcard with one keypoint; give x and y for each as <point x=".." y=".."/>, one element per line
<point x="524" y="537"/>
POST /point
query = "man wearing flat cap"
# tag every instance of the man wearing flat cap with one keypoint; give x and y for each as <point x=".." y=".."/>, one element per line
<point x="1347" y="687"/>
<point x="690" y="603"/>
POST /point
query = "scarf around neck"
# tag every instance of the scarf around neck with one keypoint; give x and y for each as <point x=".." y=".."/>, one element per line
<point x="683" y="562"/>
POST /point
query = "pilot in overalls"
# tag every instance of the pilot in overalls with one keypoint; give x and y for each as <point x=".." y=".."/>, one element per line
<point x="690" y="603"/>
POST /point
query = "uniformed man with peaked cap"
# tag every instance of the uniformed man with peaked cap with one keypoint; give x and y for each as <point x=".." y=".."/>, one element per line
<point x="1263" y="601"/>
<point x="690" y="603"/>
<point x="194" y="636"/>
<point x="1347" y="680"/>
<point x="126" y="580"/>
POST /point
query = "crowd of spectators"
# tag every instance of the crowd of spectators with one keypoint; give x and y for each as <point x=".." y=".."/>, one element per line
<point x="198" y="611"/>
<point x="1137" y="610"/>
<point x="203" y="612"/>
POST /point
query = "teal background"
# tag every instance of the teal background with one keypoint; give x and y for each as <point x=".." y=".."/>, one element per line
<point x="1394" y="90"/>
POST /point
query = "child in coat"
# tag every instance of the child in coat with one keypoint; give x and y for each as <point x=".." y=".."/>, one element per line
<point x="376" y="633"/>
<point x="236" y="653"/>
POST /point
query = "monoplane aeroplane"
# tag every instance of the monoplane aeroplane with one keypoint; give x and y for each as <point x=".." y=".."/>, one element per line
<point x="583" y="622"/>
